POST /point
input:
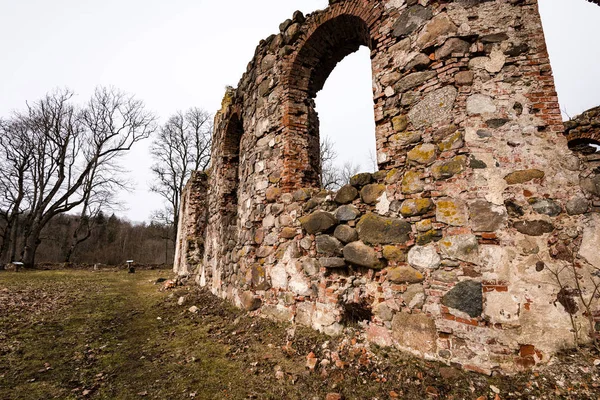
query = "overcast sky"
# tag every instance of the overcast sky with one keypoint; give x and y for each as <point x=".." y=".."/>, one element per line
<point x="181" y="53"/>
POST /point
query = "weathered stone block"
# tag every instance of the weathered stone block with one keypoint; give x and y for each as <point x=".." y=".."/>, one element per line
<point x="250" y="302"/>
<point x="370" y="193"/>
<point x="318" y="221"/>
<point x="404" y="274"/>
<point x="361" y="180"/>
<point x="486" y="216"/>
<point x="375" y="229"/>
<point x="347" y="213"/>
<point x="466" y="296"/>
<point x="523" y="176"/>
<point x="451" y="212"/>
<point x="328" y="245"/>
<point x="393" y="253"/>
<point x="534" y="228"/>
<point x="435" y="107"/>
<point x="415" y="331"/>
<point x="412" y="183"/>
<point x="345" y="234"/>
<point x="460" y="247"/>
<point x="411" y="19"/>
<point x="358" y="253"/>
<point x="423" y="154"/>
<point x="346" y="194"/>
<point x="424" y="257"/>
<point x="447" y="169"/>
<point x="413" y="207"/>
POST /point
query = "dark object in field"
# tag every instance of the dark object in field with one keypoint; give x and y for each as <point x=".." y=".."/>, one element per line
<point x="131" y="270"/>
<point x="160" y="280"/>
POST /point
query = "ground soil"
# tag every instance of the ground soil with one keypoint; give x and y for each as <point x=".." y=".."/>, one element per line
<point x="107" y="334"/>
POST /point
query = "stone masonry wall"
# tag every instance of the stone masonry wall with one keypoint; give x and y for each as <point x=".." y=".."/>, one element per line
<point x="189" y="248"/>
<point x="464" y="246"/>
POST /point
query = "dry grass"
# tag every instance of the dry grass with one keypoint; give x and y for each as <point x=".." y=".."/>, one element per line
<point x="112" y="335"/>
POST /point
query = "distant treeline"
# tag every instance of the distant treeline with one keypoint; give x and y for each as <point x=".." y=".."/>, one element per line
<point x="111" y="241"/>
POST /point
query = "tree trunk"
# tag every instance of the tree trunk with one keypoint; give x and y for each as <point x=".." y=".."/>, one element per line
<point x="32" y="241"/>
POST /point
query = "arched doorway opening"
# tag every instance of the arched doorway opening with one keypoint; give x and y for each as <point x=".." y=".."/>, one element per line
<point x="325" y="47"/>
<point x="347" y="121"/>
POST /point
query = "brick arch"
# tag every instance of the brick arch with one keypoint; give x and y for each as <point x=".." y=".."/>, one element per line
<point x="584" y="128"/>
<point x="332" y="36"/>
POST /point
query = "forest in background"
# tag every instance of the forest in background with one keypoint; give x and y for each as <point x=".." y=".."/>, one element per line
<point x="112" y="241"/>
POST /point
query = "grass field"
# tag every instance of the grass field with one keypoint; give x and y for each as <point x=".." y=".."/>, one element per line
<point x="112" y="335"/>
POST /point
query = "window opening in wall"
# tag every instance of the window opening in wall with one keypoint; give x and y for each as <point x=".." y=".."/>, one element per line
<point x="231" y="163"/>
<point x="347" y="121"/>
<point x="571" y="28"/>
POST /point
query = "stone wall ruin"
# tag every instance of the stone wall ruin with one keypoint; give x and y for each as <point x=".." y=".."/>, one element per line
<point x="462" y="247"/>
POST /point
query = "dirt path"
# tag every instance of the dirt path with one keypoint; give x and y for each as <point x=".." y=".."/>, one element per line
<point x="111" y="335"/>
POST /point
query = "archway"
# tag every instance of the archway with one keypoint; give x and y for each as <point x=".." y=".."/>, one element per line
<point x="328" y="44"/>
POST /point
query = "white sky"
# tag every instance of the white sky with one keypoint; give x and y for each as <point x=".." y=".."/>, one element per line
<point x="181" y="53"/>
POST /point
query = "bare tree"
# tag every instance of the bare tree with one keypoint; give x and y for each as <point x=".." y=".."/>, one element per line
<point x="181" y="146"/>
<point x="15" y="161"/>
<point x="75" y="153"/>
<point x="332" y="176"/>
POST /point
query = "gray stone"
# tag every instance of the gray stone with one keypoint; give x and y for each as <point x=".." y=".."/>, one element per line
<point x="345" y="234"/>
<point x="480" y="104"/>
<point x="591" y="185"/>
<point x="410" y="20"/>
<point x="546" y="207"/>
<point x="466" y="296"/>
<point x="476" y="163"/>
<point x="406" y="137"/>
<point x="464" y="78"/>
<point x="486" y="216"/>
<point x="375" y="229"/>
<point x="414" y="297"/>
<point x="435" y="107"/>
<point x="524" y="175"/>
<point x="494" y="38"/>
<point x="533" y="228"/>
<point x="358" y="253"/>
<point x="361" y="180"/>
<point x="425" y="257"/>
<point x="484" y="133"/>
<point x="318" y="221"/>
<point x="444" y="276"/>
<point x="370" y="193"/>
<point x="346" y="194"/>
<point x="328" y="245"/>
<point x="460" y="247"/>
<point x="250" y="302"/>
<point x="384" y="312"/>
<point x="447" y="169"/>
<point x="452" y="45"/>
<point x="310" y="266"/>
<point x="347" y="213"/>
<point x="420" y="61"/>
<point x="332" y="262"/>
<point x="436" y="30"/>
<point x="577" y="206"/>
<point x="413" y="80"/>
<point x="496" y="123"/>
